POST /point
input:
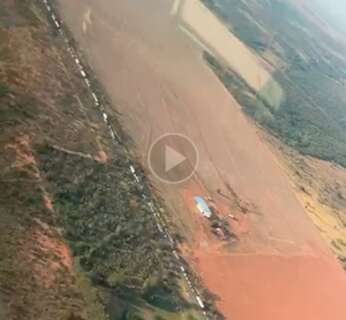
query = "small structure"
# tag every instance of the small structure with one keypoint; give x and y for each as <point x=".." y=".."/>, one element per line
<point x="203" y="207"/>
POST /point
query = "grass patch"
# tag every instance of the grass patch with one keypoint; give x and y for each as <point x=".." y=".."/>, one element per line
<point x="4" y="90"/>
<point x="272" y="94"/>
<point x="126" y="307"/>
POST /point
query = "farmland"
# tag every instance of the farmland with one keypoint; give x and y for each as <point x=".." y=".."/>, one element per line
<point x="309" y="66"/>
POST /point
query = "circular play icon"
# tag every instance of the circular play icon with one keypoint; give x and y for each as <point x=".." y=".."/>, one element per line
<point x="173" y="158"/>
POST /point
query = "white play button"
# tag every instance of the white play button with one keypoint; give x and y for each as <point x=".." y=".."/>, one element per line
<point x="172" y="158"/>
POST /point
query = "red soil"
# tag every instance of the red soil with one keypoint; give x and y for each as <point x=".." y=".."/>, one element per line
<point x="281" y="268"/>
<point x="269" y="287"/>
<point x="101" y="157"/>
<point x="48" y="203"/>
<point x="55" y="255"/>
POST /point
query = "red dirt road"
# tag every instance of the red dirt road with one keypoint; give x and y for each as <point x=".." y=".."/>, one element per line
<point x="281" y="268"/>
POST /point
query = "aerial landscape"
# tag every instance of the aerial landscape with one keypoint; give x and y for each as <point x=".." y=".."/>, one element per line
<point x="172" y="160"/>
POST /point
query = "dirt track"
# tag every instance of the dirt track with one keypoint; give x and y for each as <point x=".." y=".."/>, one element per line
<point x="159" y="82"/>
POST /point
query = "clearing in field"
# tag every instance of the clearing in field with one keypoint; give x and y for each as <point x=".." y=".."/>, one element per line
<point x="207" y="30"/>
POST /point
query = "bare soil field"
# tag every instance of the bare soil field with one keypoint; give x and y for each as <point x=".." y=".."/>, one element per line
<point x="205" y="25"/>
<point x="266" y="286"/>
<point x="321" y="188"/>
<point x="280" y="268"/>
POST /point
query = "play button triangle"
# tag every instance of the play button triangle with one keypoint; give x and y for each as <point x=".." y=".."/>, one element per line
<point x="172" y="158"/>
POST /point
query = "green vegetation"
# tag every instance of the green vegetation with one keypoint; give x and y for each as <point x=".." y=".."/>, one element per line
<point x="112" y="232"/>
<point x="3" y="90"/>
<point x="310" y="67"/>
